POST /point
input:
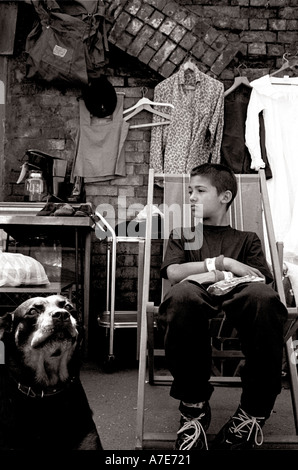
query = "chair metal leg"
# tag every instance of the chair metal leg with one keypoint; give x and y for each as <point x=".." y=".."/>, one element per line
<point x="292" y="365"/>
<point x="150" y="326"/>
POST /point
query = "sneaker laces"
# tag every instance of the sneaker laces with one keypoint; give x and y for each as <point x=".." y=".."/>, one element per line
<point x="247" y="423"/>
<point x="194" y="425"/>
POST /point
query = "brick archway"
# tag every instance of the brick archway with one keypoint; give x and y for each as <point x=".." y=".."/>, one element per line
<point x="162" y="34"/>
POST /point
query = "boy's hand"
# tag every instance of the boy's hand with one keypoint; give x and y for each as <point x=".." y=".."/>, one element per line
<point x="240" y="269"/>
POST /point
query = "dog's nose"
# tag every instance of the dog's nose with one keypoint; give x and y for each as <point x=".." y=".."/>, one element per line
<point x="61" y="315"/>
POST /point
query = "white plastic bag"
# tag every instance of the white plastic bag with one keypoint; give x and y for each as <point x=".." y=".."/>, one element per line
<point x="17" y="270"/>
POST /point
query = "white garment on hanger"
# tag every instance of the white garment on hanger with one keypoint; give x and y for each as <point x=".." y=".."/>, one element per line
<point x="279" y="104"/>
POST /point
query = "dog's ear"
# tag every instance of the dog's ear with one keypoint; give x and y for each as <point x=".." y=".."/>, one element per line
<point x="6" y="321"/>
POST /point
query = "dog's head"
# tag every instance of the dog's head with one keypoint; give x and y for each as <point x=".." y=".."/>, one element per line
<point x="41" y="336"/>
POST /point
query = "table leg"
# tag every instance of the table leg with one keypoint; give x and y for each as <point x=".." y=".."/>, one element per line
<point x="86" y="296"/>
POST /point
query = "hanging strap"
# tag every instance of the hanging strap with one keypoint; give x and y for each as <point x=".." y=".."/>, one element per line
<point x="44" y="8"/>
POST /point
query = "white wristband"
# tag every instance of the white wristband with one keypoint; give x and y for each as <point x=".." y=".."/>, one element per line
<point x="227" y="275"/>
<point x="210" y="264"/>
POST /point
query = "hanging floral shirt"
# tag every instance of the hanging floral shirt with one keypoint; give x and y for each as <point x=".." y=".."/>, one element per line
<point x="194" y="134"/>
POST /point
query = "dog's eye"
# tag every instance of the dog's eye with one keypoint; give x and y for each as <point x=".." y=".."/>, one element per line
<point x="32" y="312"/>
<point x="69" y="307"/>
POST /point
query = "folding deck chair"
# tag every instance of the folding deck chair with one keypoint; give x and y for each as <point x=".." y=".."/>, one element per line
<point x="250" y="211"/>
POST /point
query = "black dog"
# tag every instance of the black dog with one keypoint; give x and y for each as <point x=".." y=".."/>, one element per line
<point x="42" y="402"/>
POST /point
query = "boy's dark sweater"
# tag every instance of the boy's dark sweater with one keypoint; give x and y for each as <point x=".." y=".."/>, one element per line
<point x="208" y="241"/>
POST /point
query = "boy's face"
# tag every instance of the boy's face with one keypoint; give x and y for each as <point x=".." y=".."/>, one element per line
<point x="202" y="192"/>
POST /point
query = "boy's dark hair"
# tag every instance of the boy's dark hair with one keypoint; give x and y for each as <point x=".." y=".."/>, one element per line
<point x="220" y="176"/>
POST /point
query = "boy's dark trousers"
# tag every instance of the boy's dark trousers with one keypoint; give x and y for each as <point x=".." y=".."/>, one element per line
<point x="255" y="310"/>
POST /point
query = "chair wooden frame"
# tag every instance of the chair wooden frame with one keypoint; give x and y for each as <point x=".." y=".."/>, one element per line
<point x="260" y="216"/>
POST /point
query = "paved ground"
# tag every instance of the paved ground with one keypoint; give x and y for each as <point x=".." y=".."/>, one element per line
<point x="113" y="398"/>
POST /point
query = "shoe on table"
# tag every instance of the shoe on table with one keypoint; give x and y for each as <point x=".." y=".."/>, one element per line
<point x="241" y="432"/>
<point x="83" y="211"/>
<point x="48" y="209"/>
<point x="192" y="432"/>
<point x="64" y="210"/>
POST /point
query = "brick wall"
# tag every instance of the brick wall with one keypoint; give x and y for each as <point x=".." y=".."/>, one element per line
<point x="163" y="33"/>
<point x="149" y="39"/>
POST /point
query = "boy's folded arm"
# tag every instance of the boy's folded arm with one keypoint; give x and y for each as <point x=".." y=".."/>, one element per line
<point x="202" y="278"/>
<point x="178" y="272"/>
<point x="196" y="271"/>
<point x="240" y="269"/>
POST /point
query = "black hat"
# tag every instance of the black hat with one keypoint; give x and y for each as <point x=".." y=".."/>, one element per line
<point x="100" y="97"/>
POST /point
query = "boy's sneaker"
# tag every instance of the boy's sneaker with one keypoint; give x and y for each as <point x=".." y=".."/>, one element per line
<point x="241" y="432"/>
<point x="192" y="432"/>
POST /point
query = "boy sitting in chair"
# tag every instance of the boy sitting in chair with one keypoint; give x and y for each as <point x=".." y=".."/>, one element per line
<point x="193" y="261"/>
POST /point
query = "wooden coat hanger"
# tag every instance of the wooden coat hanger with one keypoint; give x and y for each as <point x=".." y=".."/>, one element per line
<point x="145" y="101"/>
<point x="240" y="80"/>
<point x="287" y="64"/>
<point x="144" y="104"/>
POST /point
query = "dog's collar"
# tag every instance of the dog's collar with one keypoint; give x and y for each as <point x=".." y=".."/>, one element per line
<point x="30" y="392"/>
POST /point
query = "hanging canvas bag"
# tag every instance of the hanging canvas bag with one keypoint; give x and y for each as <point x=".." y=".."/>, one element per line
<point x="68" y="42"/>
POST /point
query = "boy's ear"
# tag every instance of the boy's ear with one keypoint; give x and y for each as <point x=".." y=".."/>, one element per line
<point x="226" y="196"/>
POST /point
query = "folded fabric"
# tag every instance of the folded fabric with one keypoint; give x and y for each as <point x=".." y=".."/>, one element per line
<point x="225" y="286"/>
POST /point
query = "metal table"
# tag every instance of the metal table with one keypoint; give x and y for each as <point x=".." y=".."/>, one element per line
<point x="32" y="224"/>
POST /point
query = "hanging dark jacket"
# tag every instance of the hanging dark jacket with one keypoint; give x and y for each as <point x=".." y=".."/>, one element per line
<point x="68" y="42"/>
